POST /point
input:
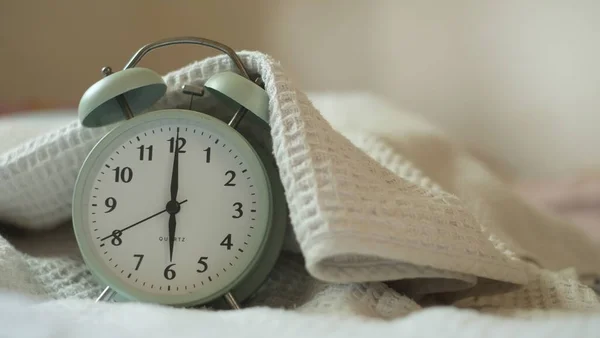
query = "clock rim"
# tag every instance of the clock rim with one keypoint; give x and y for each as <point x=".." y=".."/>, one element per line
<point x="271" y="242"/>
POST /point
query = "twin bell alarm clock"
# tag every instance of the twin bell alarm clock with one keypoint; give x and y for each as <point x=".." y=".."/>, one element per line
<point x="179" y="206"/>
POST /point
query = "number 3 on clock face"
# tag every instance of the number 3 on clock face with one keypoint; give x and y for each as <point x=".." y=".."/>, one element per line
<point x="172" y="207"/>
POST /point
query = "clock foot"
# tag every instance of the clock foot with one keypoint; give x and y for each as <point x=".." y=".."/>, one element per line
<point x="106" y="294"/>
<point x="231" y="301"/>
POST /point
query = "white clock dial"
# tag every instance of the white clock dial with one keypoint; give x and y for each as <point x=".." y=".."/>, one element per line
<point x="222" y="203"/>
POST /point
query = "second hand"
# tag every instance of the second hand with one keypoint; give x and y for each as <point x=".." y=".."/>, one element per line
<point x="136" y="223"/>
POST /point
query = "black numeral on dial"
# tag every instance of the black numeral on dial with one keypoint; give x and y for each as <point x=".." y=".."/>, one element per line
<point x="140" y="257"/>
<point x="144" y="150"/>
<point x="227" y="242"/>
<point x="203" y="265"/>
<point x="169" y="273"/>
<point x="207" y="151"/>
<point x="123" y="175"/>
<point x="238" y="209"/>
<point x="116" y="240"/>
<point x="232" y="174"/>
<point x="180" y="144"/>
<point x="111" y="204"/>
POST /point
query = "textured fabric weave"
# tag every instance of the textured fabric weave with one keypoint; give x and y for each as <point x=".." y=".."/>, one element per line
<point x="377" y="237"/>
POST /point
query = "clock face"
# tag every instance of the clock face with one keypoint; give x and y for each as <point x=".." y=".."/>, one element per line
<point x="172" y="209"/>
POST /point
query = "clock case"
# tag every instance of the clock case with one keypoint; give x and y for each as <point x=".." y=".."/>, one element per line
<point x="237" y="99"/>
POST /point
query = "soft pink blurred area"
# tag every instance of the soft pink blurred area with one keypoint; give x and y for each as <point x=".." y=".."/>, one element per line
<point x="575" y="198"/>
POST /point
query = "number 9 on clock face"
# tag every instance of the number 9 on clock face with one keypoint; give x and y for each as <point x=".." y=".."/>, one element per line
<point x="172" y="207"/>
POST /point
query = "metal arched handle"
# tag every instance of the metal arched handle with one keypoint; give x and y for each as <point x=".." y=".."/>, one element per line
<point x="188" y="40"/>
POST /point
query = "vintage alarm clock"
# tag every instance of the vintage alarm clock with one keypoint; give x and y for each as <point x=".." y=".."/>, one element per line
<point x="179" y="206"/>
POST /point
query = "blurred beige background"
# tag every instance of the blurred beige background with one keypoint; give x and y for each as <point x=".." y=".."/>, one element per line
<point x="519" y="79"/>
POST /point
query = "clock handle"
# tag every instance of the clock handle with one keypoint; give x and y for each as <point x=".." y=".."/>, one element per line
<point x="188" y="40"/>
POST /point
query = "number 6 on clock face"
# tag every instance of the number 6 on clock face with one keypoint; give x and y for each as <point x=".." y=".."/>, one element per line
<point x="172" y="207"/>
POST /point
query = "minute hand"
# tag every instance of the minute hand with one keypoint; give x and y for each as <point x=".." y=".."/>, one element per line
<point x="175" y="172"/>
<point x="139" y="222"/>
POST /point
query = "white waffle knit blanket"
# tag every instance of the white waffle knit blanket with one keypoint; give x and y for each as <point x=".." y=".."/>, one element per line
<point x="385" y="224"/>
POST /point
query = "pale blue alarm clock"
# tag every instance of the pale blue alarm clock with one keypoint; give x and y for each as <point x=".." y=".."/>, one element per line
<point x="178" y="206"/>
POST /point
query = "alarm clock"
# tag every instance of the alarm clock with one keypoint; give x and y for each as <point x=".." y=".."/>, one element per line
<point x="179" y="206"/>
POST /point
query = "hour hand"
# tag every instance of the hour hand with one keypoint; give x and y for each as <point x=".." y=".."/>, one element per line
<point x="172" y="208"/>
<point x="172" y="225"/>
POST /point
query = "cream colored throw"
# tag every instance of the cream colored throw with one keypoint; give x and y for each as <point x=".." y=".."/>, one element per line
<point x="389" y="217"/>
